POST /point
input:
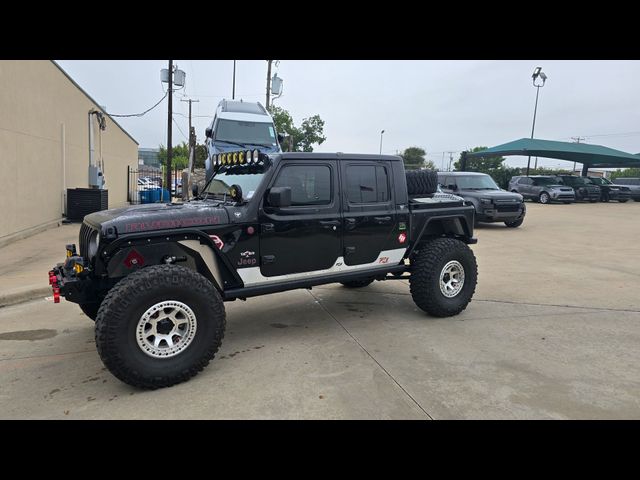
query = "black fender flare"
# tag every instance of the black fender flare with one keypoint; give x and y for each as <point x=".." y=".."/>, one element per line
<point x="210" y="261"/>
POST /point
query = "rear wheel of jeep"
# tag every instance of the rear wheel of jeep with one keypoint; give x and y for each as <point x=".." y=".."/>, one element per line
<point x="443" y="278"/>
<point x="357" y="283"/>
<point x="160" y="326"/>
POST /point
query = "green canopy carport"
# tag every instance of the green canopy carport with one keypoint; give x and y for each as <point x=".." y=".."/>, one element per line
<point x="590" y="156"/>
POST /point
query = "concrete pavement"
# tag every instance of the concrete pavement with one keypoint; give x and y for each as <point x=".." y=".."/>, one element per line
<point x="553" y="332"/>
<point x="24" y="263"/>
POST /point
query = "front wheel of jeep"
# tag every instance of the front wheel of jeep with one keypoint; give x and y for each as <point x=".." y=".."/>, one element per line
<point x="160" y="326"/>
<point x="443" y="278"/>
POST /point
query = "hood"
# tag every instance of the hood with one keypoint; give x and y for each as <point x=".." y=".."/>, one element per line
<point x="493" y="194"/>
<point x="159" y="216"/>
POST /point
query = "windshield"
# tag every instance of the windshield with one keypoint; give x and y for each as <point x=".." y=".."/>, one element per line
<point x="600" y="181"/>
<point x="546" y="181"/>
<point x="253" y="133"/>
<point x="476" y="182"/>
<point x="246" y="177"/>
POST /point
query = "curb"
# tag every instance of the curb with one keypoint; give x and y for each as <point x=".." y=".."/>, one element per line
<point x="24" y="296"/>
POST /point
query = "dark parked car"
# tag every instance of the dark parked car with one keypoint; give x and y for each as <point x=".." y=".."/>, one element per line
<point x="633" y="184"/>
<point x="584" y="188"/>
<point x="543" y="189"/>
<point x="611" y="191"/>
<point x="491" y="203"/>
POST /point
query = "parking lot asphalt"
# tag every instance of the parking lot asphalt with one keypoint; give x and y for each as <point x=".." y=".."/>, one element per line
<point x="553" y="332"/>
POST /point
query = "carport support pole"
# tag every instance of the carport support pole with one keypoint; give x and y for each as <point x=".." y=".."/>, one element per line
<point x="585" y="169"/>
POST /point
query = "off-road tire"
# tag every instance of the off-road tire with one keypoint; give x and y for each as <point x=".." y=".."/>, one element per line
<point x="426" y="266"/>
<point x="544" y="198"/>
<point x="123" y="308"/>
<point x="357" y="283"/>
<point x="515" y="223"/>
<point x="422" y="182"/>
<point x="636" y="199"/>
<point x="90" y="309"/>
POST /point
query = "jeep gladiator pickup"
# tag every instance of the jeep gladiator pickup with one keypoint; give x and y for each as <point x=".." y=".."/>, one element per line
<point x="155" y="277"/>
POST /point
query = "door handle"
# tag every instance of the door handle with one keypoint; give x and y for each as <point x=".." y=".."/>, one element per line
<point x="349" y="250"/>
<point x="268" y="259"/>
<point x="350" y="223"/>
<point x="267" y="228"/>
<point x="330" y="223"/>
<point x="382" y="220"/>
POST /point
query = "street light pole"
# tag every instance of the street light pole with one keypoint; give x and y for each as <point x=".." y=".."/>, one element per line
<point x="381" y="141"/>
<point x="537" y="73"/>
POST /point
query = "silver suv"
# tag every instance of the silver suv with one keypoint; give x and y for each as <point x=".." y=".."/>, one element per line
<point x="633" y="184"/>
<point x="541" y="188"/>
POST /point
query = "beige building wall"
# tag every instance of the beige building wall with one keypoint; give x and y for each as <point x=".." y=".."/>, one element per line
<point x="44" y="131"/>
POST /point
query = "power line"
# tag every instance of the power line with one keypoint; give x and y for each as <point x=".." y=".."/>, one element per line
<point x="185" y="137"/>
<point x="146" y="111"/>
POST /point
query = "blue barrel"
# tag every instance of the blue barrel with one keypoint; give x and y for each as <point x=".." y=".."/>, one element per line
<point x="145" y="196"/>
<point x="155" y="195"/>
<point x="165" y="196"/>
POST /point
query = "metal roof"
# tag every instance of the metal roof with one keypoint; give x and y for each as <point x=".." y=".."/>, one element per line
<point x="585" y="153"/>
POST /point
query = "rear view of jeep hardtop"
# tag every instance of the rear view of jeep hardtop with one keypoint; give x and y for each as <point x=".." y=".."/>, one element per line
<point x="155" y="277"/>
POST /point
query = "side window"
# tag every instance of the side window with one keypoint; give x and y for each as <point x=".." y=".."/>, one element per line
<point x="367" y="184"/>
<point x="522" y="181"/>
<point x="310" y="184"/>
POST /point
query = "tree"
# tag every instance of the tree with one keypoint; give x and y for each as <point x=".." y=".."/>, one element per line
<point x="482" y="164"/>
<point x="627" y="172"/>
<point x="180" y="156"/>
<point x="310" y="132"/>
<point x="413" y="158"/>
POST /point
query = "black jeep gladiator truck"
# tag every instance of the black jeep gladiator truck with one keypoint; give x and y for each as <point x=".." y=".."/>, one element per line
<point x="155" y="277"/>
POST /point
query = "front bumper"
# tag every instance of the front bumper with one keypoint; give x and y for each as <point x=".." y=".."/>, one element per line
<point x="72" y="282"/>
<point x="502" y="213"/>
<point x="619" y="194"/>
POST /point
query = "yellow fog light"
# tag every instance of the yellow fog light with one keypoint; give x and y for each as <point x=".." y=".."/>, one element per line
<point x="235" y="157"/>
<point x="241" y="157"/>
<point x="78" y="268"/>
<point x="69" y="253"/>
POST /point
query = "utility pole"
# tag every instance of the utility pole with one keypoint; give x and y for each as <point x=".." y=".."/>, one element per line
<point x="268" y="82"/>
<point x="190" y="102"/>
<point x="192" y="137"/>
<point x="576" y="140"/>
<point x="169" y="132"/>
<point x="233" y="93"/>
<point x="450" y="160"/>
<point x="442" y="163"/>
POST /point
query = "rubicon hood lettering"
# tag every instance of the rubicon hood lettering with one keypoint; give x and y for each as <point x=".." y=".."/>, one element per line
<point x="172" y="223"/>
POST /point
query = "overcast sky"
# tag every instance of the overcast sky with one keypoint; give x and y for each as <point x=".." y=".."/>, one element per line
<point x="440" y="106"/>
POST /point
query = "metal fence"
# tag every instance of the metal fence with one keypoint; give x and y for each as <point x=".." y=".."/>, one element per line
<point x="147" y="185"/>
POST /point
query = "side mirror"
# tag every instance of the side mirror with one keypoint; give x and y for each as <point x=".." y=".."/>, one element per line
<point x="195" y="190"/>
<point x="207" y="132"/>
<point x="279" y="197"/>
<point x="280" y="137"/>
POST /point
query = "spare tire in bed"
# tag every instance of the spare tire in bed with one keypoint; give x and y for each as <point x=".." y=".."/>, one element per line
<point x="422" y="182"/>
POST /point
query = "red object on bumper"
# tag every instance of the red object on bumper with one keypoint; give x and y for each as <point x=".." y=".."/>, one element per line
<point x="53" y="281"/>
